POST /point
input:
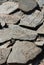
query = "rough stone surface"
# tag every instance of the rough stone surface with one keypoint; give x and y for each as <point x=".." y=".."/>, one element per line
<point x="22" y="33"/>
<point x="32" y="20"/>
<point x="27" y="5"/>
<point x="22" y="52"/>
<point x="39" y="43"/>
<point x="4" y="53"/>
<point x="41" y="29"/>
<point x="2" y="1"/>
<point x="5" y="35"/>
<point x="8" y="7"/>
<point x="9" y="19"/>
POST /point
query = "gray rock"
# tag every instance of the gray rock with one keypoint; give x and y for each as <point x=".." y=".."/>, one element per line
<point x="8" y="7"/>
<point x="27" y="5"/>
<point x="32" y="20"/>
<point x="41" y="29"/>
<point x="4" y="53"/>
<point x="40" y="43"/>
<point x="22" y="33"/>
<point x="22" y="52"/>
<point x="5" y="35"/>
<point x="9" y="19"/>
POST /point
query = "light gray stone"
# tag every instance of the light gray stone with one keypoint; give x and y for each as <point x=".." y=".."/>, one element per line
<point x="41" y="29"/>
<point x="8" y="7"/>
<point x="22" y="33"/>
<point x="4" y="53"/>
<point x="9" y="19"/>
<point x="40" y="43"/>
<point x="22" y="52"/>
<point x="27" y="5"/>
<point x="32" y="20"/>
<point x="5" y="35"/>
<point x="2" y="1"/>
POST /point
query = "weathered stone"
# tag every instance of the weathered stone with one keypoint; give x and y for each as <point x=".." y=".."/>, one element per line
<point x="22" y="33"/>
<point x="6" y="45"/>
<point x="32" y="20"/>
<point x="5" y="35"/>
<point x="39" y="43"/>
<point x="27" y="5"/>
<point x="4" y="53"/>
<point x="9" y="19"/>
<point x="22" y="52"/>
<point x="8" y="7"/>
<point x="40" y="2"/>
<point x="41" y="29"/>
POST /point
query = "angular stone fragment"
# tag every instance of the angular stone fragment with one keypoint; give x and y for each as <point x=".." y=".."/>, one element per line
<point x="4" y="53"/>
<point x="22" y="33"/>
<point x="27" y="5"/>
<point x="40" y="43"/>
<point x="8" y="7"/>
<point x="40" y="2"/>
<point x="9" y="19"/>
<point x="22" y="52"/>
<point x="41" y="29"/>
<point x="5" y="35"/>
<point x="32" y="20"/>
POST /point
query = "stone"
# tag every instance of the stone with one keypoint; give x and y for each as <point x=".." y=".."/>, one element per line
<point x="41" y="30"/>
<point x="5" y="45"/>
<point x="40" y="43"/>
<point x="9" y="19"/>
<point x="8" y="7"/>
<point x="5" y="35"/>
<point x="32" y="20"/>
<point x="27" y="5"/>
<point x="22" y="33"/>
<point x="4" y="53"/>
<point x="40" y="2"/>
<point x="23" y="51"/>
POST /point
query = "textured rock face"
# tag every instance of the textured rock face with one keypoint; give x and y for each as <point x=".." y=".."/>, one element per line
<point x="4" y="53"/>
<point x="23" y="52"/>
<point x="27" y="5"/>
<point x="41" y="29"/>
<point x="9" y="19"/>
<point x="8" y="7"/>
<point x="33" y="20"/>
<point x="22" y="33"/>
<point x="5" y="35"/>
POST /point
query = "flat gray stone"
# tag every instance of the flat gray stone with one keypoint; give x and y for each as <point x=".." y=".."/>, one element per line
<point x="22" y="52"/>
<point x="32" y="20"/>
<point x="4" y="53"/>
<point x="22" y="33"/>
<point x="41" y="29"/>
<point x="8" y="7"/>
<point x="5" y="35"/>
<point x="27" y="5"/>
<point x="9" y="19"/>
<point x="39" y="43"/>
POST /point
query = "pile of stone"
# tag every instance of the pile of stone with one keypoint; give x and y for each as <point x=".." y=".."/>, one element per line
<point x="21" y="31"/>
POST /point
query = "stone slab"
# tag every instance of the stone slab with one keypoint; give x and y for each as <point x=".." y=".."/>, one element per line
<point x="27" y="5"/>
<point x="8" y="7"/>
<point x="32" y="20"/>
<point x="22" y="52"/>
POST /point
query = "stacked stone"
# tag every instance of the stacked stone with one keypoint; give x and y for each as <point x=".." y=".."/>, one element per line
<point x="21" y="31"/>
